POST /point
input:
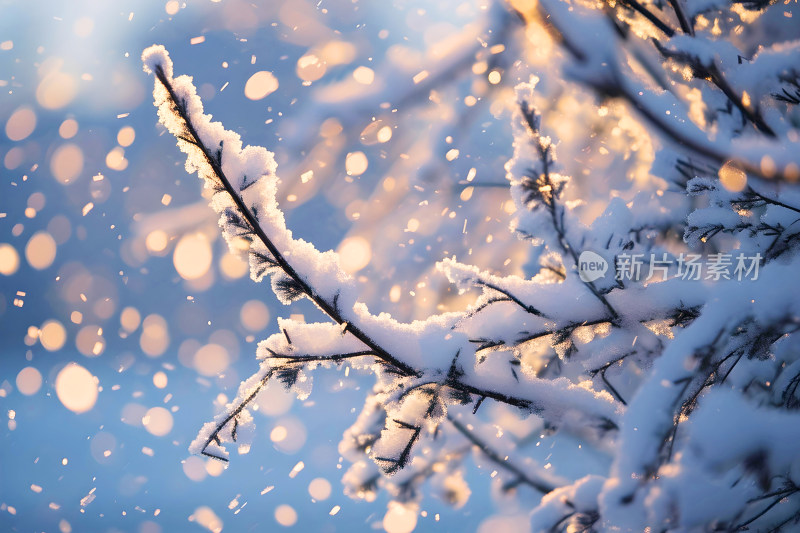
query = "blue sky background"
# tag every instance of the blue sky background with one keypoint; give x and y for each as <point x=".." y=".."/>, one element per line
<point x="97" y="45"/>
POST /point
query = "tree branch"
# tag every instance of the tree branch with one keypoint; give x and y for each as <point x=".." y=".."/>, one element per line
<point x="538" y="484"/>
<point x="327" y="307"/>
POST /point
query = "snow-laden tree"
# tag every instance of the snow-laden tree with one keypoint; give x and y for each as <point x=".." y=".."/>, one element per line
<point x="653" y="343"/>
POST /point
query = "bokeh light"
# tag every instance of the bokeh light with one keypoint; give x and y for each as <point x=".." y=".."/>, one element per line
<point x="195" y="468"/>
<point x="364" y="75"/>
<point x="288" y="435"/>
<point x="157" y="421"/>
<point x="68" y="129"/>
<point x="56" y="90"/>
<point x="76" y="388"/>
<point x="14" y="158"/>
<point x="9" y="259"/>
<point x="274" y="400"/>
<point x="354" y="254"/>
<point x="155" y="335"/>
<point x="90" y="341"/>
<point x="60" y="228"/>
<point x="115" y="159"/>
<point x="400" y="518"/>
<point x="732" y="177"/>
<point x="126" y="136"/>
<point x="40" y="250"/>
<point x="66" y="163"/>
<point x="160" y="380"/>
<point x="156" y="241"/>
<point x="102" y="447"/>
<point x="192" y="256"/>
<point x="319" y="489"/>
<point x="260" y="85"/>
<point x="254" y="315"/>
<point x="52" y="335"/>
<point x="29" y="381"/>
<point x="130" y="319"/>
<point x="21" y="123"/>
<point x="233" y="267"/>
<point x="310" y="67"/>
<point x="211" y="359"/>
<point x="285" y="515"/>
<point x="356" y="163"/>
<point x="205" y="517"/>
<point x="132" y="414"/>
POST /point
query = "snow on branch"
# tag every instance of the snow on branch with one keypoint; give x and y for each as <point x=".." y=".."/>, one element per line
<point x="421" y="367"/>
<point x="667" y="399"/>
<point x="602" y="63"/>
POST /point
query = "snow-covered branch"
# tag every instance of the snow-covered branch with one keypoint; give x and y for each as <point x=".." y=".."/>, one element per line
<point x="655" y="332"/>
<point x="422" y="354"/>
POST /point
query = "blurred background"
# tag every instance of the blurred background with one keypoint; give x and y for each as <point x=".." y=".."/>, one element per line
<point x="125" y="324"/>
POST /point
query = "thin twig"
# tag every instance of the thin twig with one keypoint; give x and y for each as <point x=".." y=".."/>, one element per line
<point x="325" y="306"/>
<point x="541" y="486"/>
<point x="529" y="308"/>
<point x="646" y="13"/>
